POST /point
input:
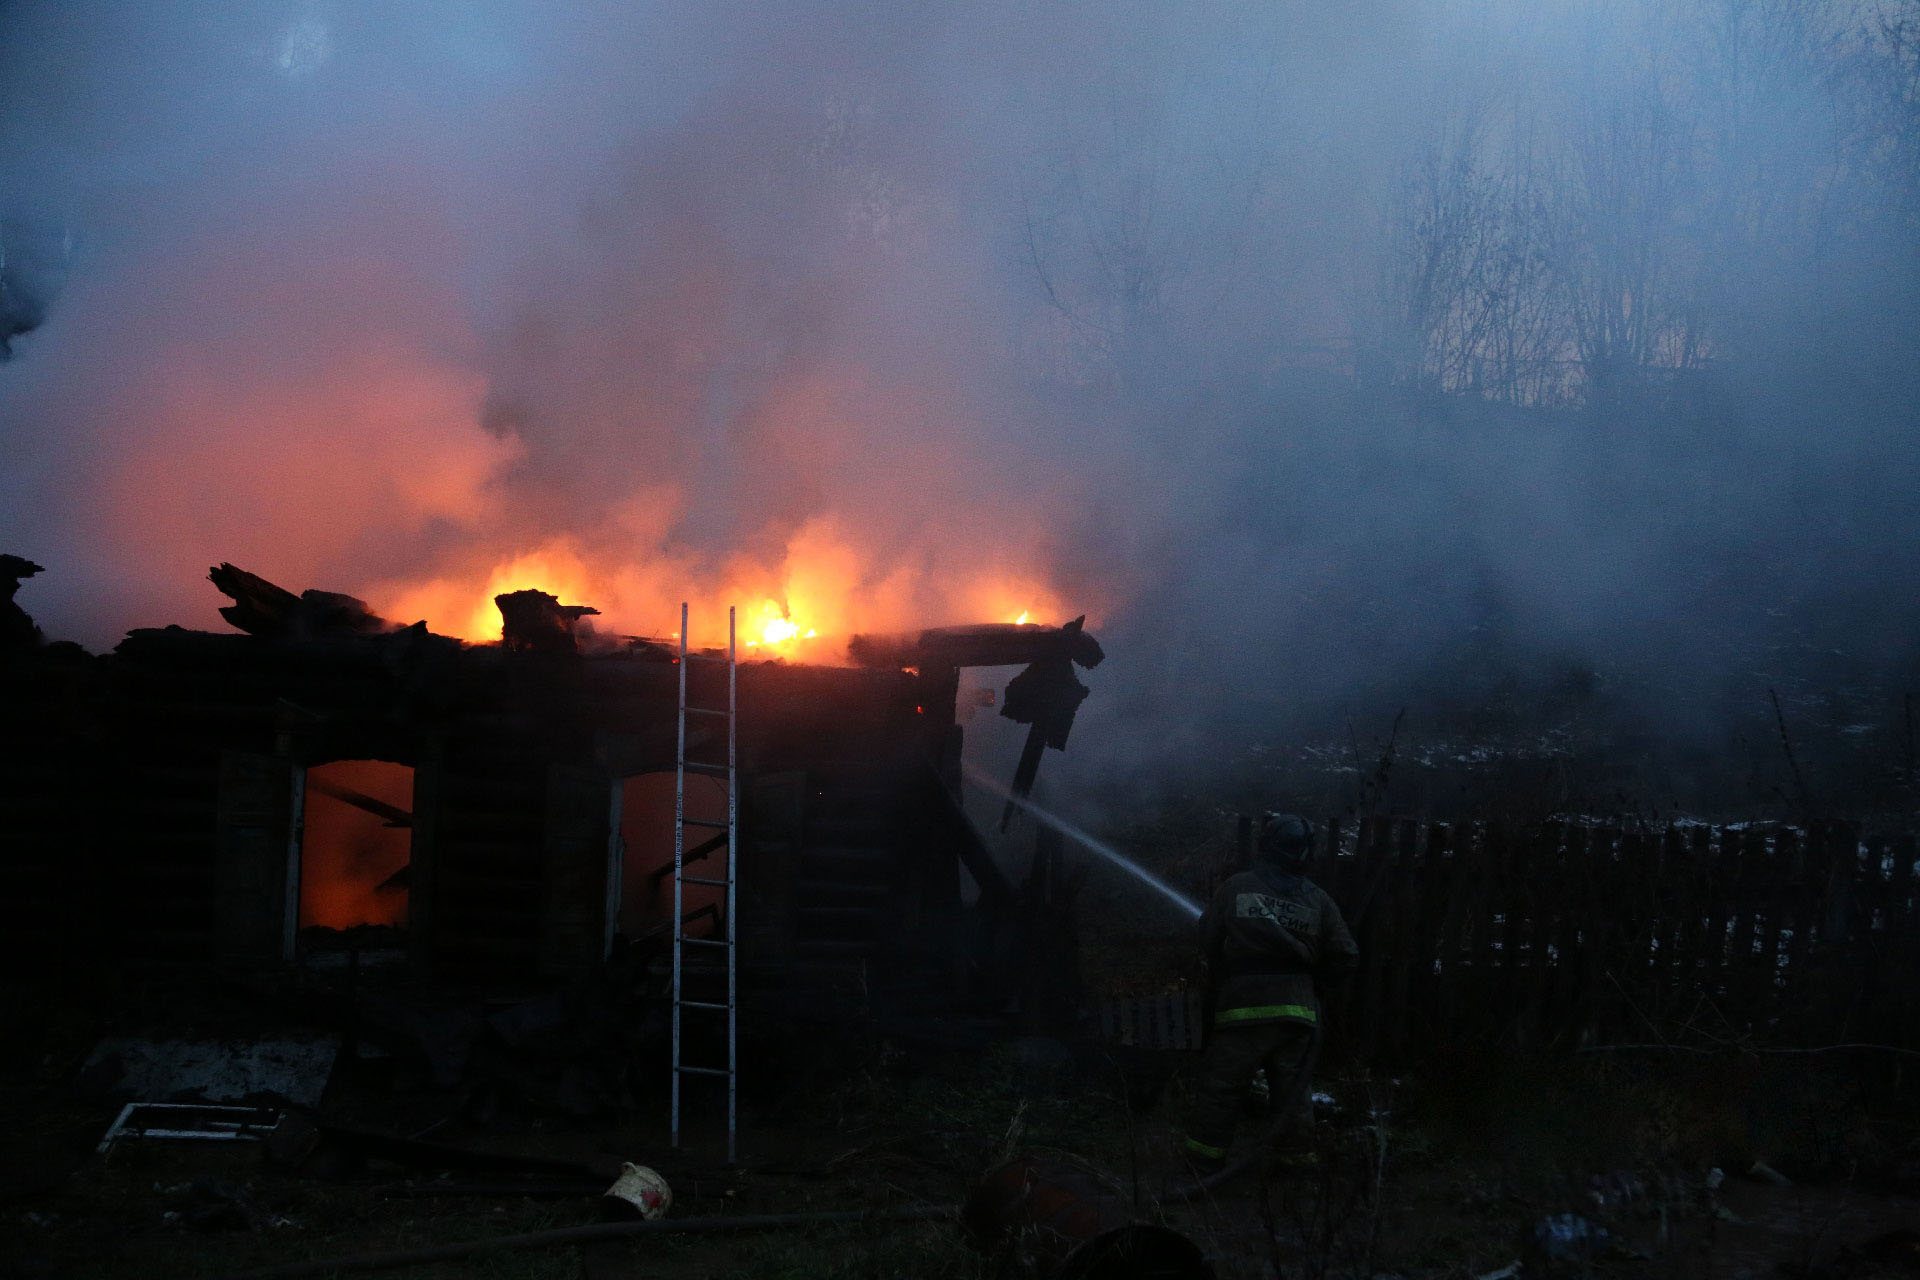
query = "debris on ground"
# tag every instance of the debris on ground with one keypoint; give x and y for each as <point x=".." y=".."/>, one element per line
<point x="1566" y="1239"/>
<point x="187" y="1121"/>
<point x="291" y="1068"/>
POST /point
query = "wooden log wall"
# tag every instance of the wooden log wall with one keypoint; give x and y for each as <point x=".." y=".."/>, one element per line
<point x="179" y="705"/>
<point x="1571" y="934"/>
<point x="52" y="800"/>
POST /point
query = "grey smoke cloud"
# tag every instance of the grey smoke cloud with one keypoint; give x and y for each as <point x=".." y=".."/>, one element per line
<point x="1314" y="349"/>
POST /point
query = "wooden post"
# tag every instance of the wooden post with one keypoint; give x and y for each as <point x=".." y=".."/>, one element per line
<point x="1744" y="897"/>
<point x="1442" y="996"/>
<point x="1370" y="858"/>
<point x="1723" y="914"/>
<point x="1700" y="947"/>
<point x="1574" y="901"/>
<point x="1509" y="903"/>
<point x="1617" y="933"/>
<point x="1789" y="885"/>
<point x="1548" y="884"/>
<point x="1412" y="945"/>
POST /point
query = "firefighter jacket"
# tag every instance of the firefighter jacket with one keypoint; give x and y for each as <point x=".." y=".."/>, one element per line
<point x="1267" y="935"/>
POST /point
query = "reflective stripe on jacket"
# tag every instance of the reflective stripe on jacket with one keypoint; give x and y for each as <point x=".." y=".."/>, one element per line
<point x="1250" y="998"/>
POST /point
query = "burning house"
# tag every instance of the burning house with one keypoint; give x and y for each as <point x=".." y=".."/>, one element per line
<point x="322" y="780"/>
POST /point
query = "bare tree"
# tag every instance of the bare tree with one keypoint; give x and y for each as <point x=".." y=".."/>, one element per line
<point x="1468" y="304"/>
<point x="1671" y="187"/>
<point x="1614" y="222"/>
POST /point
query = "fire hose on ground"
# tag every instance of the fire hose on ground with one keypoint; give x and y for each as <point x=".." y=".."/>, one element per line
<point x="586" y="1234"/>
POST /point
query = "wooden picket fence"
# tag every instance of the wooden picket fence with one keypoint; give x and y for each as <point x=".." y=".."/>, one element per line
<point x="1577" y="933"/>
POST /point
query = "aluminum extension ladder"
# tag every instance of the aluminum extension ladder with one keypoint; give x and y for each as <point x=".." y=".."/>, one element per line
<point x="721" y="842"/>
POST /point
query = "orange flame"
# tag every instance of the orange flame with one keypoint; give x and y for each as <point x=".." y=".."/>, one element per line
<point x="775" y="629"/>
<point x="803" y="607"/>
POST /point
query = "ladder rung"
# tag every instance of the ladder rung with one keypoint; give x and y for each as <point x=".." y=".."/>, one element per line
<point x="706" y="711"/>
<point x="703" y="1004"/>
<point x="708" y="657"/>
<point x="703" y="1071"/>
<point x="712" y="770"/>
<point x="706" y="822"/>
<point x="717" y="884"/>
<point x="706" y="942"/>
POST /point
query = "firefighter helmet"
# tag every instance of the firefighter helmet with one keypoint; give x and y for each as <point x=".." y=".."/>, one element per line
<point x="1286" y="838"/>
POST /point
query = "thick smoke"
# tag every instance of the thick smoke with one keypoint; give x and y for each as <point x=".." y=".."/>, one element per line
<point x="1327" y="355"/>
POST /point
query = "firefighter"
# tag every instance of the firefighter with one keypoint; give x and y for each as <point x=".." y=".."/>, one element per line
<point x="1269" y="936"/>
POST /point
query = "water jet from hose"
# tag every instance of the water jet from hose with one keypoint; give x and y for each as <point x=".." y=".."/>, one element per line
<point x="1067" y="829"/>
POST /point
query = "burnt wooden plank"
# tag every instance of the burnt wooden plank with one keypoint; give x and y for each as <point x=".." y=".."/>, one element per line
<point x="993" y="644"/>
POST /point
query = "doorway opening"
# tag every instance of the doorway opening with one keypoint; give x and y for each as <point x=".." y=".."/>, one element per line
<point x="646" y="868"/>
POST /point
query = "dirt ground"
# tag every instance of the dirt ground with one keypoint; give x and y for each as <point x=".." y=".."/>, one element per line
<point x="1458" y="1166"/>
<point x="1447" y="1172"/>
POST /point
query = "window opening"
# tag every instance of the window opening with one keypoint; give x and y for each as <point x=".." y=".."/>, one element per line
<point x="356" y="845"/>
